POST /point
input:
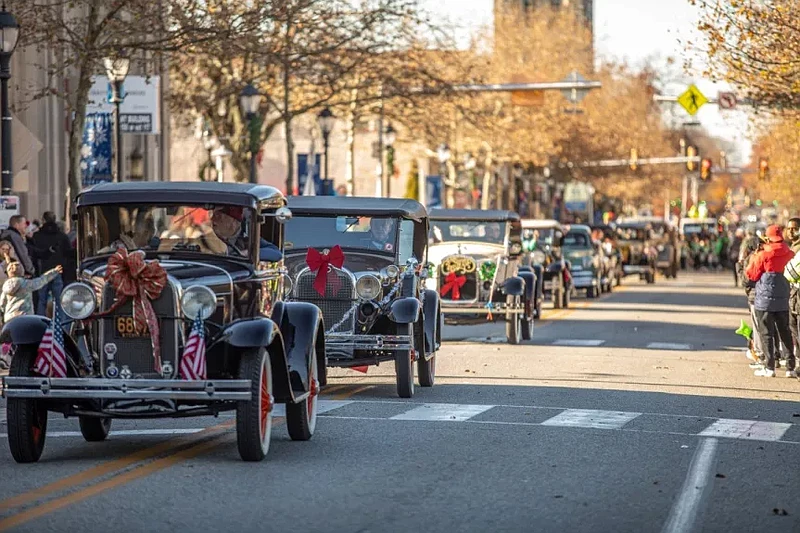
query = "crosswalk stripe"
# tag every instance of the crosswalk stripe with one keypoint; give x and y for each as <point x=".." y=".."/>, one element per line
<point x="668" y="346"/>
<point x="591" y="418"/>
<point x="443" y="412"/>
<point x="746" y="429"/>
<point x="578" y="342"/>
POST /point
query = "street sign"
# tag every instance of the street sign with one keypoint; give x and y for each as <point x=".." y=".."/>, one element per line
<point x="140" y="110"/>
<point x="575" y="96"/>
<point x="692" y="100"/>
<point x="726" y="100"/>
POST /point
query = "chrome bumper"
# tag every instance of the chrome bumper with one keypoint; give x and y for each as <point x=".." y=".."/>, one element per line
<point x="120" y="389"/>
<point x="477" y="309"/>
<point x="349" y="341"/>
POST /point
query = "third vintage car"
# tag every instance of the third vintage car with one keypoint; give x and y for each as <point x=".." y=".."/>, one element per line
<point x="177" y="313"/>
<point x="639" y="256"/>
<point x="585" y="260"/>
<point x="361" y="260"/>
<point x="542" y="240"/>
<point x="475" y="265"/>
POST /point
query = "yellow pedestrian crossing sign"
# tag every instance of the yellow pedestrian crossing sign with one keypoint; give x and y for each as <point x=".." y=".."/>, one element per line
<point x="692" y="99"/>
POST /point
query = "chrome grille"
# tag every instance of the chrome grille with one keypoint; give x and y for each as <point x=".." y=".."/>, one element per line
<point x="137" y="353"/>
<point x="340" y="296"/>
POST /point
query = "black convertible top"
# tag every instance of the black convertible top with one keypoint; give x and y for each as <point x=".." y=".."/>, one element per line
<point x="211" y="192"/>
<point x="474" y="215"/>
<point x="357" y="206"/>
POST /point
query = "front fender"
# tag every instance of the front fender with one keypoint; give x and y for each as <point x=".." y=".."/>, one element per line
<point x="554" y="267"/>
<point x="404" y="310"/>
<point x="29" y="329"/>
<point x="430" y="312"/>
<point x="301" y="324"/>
<point x="514" y="286"/>
<point x="530" y="284"/>
<point x="248" y="333"/>
<point x="539" y="271"/>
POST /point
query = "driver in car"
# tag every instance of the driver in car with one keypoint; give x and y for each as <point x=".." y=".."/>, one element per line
<point x="227" y="225"/>
<point x="381" y="235"/>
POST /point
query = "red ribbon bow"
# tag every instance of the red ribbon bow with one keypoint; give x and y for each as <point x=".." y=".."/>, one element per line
<point x="453" y="283"/>
<point x="321" y="263"/>
<point x="133" y="277"/>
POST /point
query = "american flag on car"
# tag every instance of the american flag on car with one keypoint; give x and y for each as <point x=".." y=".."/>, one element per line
<point x="51" y="359"/>
<point x="193" y="361"/>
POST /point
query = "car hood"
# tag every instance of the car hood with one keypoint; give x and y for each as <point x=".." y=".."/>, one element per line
<point x="354" y="261"/>
<point x="188" y="273"/>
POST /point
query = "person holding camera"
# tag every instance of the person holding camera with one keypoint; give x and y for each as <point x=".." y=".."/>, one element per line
<point x="52" y="239"/>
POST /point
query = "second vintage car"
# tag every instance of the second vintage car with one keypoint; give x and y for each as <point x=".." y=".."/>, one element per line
<point x="361" y="260"/>
<point x="475" y="265"/>
<point x="177" y="313"/>
<point x="542" y="241"/>
<point x="585" y="260"/>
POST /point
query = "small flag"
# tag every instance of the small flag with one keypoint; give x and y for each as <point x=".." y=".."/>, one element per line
<point x="362" y="369"/>
<point x="745" y="330"/>
<point x="193" y="361"/>
<point x="51" y="359"/>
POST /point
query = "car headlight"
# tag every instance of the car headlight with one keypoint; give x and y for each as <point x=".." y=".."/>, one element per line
<point x="391" y="272"/>
<point x="660" y="247"/>
<point x="368" y="287"/>
<point x="78" y="301"/>
<point x="288" y="286"/>
<point x="538" y="257"/>
<point x="198" y="300"/>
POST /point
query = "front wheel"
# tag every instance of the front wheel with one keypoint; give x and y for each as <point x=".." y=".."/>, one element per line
<point x="301" y="418"/>
<point x="254" y="416"/>
<point x="527" y="324"/>
<point x="94" y="429"/>
<point x="27" y="418"/>
<point x="403" y="363"/>
<point x="513" y="322"/>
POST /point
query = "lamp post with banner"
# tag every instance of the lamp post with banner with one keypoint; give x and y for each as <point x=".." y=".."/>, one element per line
<point x="326" y="120"/>
<point x="9" y="33"/>
<point x="249" y="101"/>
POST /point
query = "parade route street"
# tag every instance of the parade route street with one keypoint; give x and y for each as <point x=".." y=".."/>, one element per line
<point x="634" y="412"/>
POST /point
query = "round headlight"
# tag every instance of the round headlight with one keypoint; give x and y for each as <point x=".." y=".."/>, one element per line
<point x="368" y="287"/>
<point x="288" y="286"/>
<point x="198" y="300"/>
<point x="77" y="301"/>
<point x="392" y="271"/>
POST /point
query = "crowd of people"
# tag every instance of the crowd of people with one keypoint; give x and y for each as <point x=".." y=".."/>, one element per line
<point x="35" y="262"/>
<point x="769" y="267"/>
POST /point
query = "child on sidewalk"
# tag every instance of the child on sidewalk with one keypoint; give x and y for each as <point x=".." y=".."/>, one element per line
<point x="17" y="296"/>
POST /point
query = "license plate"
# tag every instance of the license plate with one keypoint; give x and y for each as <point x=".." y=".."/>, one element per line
<point x="125" y="327"/>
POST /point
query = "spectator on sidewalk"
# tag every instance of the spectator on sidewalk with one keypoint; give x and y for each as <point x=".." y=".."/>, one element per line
<point x="15" y="234"/>
<point x="750" y="245"/>
<point x="56" y="243"/>
<point x="771" y="304"/>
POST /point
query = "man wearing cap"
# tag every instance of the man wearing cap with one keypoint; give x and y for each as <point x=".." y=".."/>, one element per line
<point x="227" y="224"/>
<point x="771" y="303"/>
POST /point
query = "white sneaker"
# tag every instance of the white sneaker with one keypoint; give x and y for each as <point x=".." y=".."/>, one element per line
<point x="765" y="373"/>
<point x="750" y="355"/>
<point x="791" y="374"/>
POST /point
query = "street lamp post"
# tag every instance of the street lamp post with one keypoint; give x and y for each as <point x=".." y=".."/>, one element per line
<point x="117" y="71"/>
<point x="443" y="153"/>
<point x="250" y="100"/>
<point x="389" y="138"/>
<point x="9" y="32"/>
<point x="326" y="120"/>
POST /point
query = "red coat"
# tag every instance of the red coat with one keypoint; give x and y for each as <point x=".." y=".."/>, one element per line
<point x="773" y="258"/>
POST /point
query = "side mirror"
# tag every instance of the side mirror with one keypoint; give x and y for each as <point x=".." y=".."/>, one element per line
<point x="282" y="214"/>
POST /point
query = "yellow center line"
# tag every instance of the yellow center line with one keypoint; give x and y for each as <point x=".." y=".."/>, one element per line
<point x="332" y="389"/>
<point x="108" y="467"/>
<point x="357" y="390"/>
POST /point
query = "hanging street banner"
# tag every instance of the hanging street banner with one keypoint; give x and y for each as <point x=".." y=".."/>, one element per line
<point x="139" y="111"/>
<point x="96" y="149"/>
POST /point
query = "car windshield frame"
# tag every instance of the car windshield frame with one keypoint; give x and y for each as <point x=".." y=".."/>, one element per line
<point x="575" y="246"/>
<point x="159" y="228"/>
<point x="331" y="239"/>
<point x="470" y="226"/>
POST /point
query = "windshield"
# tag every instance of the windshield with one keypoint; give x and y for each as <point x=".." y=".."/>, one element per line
<point x="540" y="236"/>
<point x="577" y="240"/>
<point x="369" y="233"/>
<point x="461" y="230"/>
<point x="211" y="229"/>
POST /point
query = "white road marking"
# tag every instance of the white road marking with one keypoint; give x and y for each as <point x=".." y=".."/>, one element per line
<point x="590" y="418"/>
<point x="330" y="405"/>
<point x="696" y="489"/>
<point x="746" y="429"/>
<point x="578" y="342"/>
<point x="443" y="412"/>
<point x="668" y="346"/>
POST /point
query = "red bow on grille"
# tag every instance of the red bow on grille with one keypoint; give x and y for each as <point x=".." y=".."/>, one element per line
<point x="133" y="277"/>
<point x="453" y="283"/>
<point x="321" y="263"/>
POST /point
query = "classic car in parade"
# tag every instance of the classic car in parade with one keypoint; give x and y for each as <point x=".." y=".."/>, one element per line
<point x="177" y="312"/>
<point x="541" y="242"/>
<point x="475" y="265"/>
<point x="585" y="260"/>
<point x="361" y="260"/>
<point x="612" y="273"/>
<point x="638" y="254"/>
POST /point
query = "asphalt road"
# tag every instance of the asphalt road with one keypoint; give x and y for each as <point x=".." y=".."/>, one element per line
<point x="634" y="412"/>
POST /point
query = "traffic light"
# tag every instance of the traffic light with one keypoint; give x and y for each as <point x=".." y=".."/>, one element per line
<point x="634" y="159"/>
<point x="691" y="151"/>
<point x="763" y="168"/>
<point x="705" y="169"/>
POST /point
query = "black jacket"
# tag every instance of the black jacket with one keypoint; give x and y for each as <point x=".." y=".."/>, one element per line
<point x="55" y="246"/>
<point x="20" y="249"/>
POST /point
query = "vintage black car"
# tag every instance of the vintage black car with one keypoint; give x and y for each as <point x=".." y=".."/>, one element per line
<point x="169" y="272"/>
<point x="476" y="269"/>
<point x="361" y="260"/>
<point x="612" y="273"/>
<point x="635" y="240"/>
<point x="542" y="241"/>
<point x="585" y="259"/>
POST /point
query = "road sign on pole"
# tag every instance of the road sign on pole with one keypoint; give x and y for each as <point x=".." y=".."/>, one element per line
<point x="692" y="99"/>
<point x="726" y="100"/>
<point x="574" y="95"/>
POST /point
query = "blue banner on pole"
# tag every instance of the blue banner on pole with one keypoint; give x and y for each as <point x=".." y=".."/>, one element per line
<point x="433" y="191"/>
<point x="304" y="169"/>
<point x="96" y="149"/>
